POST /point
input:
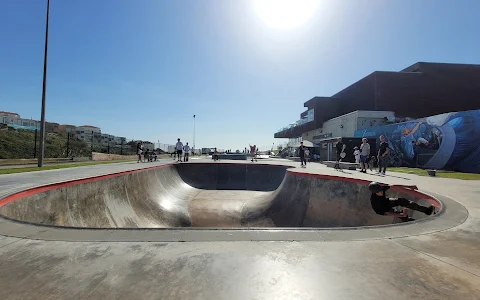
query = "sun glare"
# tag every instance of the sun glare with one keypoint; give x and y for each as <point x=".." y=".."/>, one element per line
<point x="285" y="13"/>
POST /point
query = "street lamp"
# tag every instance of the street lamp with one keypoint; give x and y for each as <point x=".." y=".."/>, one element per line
<point x="41" y="149"/>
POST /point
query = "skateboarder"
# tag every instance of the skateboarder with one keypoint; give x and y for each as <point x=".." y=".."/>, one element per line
<point x="301" y="154"/>
<point x="179" y="148"/>
<point x="382" y="205"/>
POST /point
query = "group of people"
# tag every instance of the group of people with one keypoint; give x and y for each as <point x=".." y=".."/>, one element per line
<point x="379" y="201"/>
<point x="148" y="155"/>
<point x="181" y="149"/>
<point x="363" y="155"/>
<point x="304" y="154"/>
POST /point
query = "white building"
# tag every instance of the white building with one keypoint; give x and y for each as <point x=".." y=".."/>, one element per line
<point x="346" y="125"/>
<point x="8" y="117"/>
<point x="88" y="133"/>
<point x="119" y="140"/>
<point x="14" y="120"/>
<point x="107" y="139"/>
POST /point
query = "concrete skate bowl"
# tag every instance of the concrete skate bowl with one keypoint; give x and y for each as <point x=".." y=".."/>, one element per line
<point x="203" y="195"/>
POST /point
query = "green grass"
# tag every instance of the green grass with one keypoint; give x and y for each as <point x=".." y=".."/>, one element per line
<point x="440" y="173"/>
<point x="55" y="167"/>
<point x="15" y="144"/>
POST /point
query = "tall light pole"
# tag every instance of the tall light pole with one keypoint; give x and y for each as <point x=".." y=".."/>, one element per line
<point x="194" y="132"/>
<point x="41" y="149"/>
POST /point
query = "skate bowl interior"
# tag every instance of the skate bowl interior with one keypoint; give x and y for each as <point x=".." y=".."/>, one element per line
<point x="204" y="195"/>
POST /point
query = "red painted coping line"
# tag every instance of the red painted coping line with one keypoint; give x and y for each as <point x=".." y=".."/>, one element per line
<point x="52" y="186"/>
<point x="237" y="163"/>
<point x="410" y="192"/>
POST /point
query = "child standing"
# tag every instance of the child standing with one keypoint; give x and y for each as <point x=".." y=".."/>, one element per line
<point x="356" y="153"/>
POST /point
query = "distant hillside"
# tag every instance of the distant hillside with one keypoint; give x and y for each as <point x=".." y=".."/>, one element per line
<point x="16" y="144"/>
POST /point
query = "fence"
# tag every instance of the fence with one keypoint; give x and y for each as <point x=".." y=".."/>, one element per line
<point x="24" y="145"/>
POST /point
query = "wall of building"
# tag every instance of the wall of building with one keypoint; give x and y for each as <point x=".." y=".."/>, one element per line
<point x="448" y="141"/>
<point x="15" y="121"/>
<point x="67" y="128"/>
<point x="341" y="126"/>
<point x="432" y="89"/>
<point x="89" y="134"/>
<point x="51" y="127"/>
<point x="346" y="125"/>
<point x="421" y="90"/>
<point x="8" y="118"/>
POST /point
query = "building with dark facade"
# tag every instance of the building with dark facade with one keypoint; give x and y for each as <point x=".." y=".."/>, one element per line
<point x="421" y="90"/>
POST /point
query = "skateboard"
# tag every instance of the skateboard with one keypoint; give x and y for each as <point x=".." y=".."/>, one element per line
<point x="401" y="213"/>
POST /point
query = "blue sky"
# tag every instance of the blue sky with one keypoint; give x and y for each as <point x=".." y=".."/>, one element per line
<point x="142" y="69"/>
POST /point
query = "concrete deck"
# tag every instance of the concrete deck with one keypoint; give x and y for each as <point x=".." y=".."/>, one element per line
<point x="440" y="260"/>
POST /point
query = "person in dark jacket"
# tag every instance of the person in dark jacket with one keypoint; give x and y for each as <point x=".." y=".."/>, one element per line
<point x="301" y="154"/>
<point x="139" y="152"/>
<point x="382" y="205"/>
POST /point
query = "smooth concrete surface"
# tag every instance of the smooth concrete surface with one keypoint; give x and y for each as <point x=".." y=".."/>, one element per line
<point x="222" y="195"/>
<point x="443" y="264"/>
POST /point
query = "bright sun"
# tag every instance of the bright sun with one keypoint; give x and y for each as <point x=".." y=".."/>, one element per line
<point x="285" y="13"/>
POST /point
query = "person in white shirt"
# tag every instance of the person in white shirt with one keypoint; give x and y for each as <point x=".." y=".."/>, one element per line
<point x="179" y="147"/>
<point x="364" y="155"/>
<point x="307" y="155"/>
<point x="186" y="152"/>
<point x="356" y="153"/>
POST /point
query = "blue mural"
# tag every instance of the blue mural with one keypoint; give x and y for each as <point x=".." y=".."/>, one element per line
<point x="448" y="141"/>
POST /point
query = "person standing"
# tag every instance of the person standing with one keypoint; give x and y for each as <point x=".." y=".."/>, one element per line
<point x="301" y="154"/>
<point x="145" y="155"/>
<point x="139" y="151"/>
<point x="186" y="150"/>
<point x="307" y="155"/>
<point x="179" y="147"/>
<point x="364" y="155"/>
<point x="253" y="152"/>
<point x="356" y="154"/>
<point x="340" y="148"/>
<point x="383" y="152"/>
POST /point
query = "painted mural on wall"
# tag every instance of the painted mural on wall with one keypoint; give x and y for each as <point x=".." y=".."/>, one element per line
<point x="448" y="141"/>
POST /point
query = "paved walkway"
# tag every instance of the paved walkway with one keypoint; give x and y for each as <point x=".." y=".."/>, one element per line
<point x="441" y="265"/>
